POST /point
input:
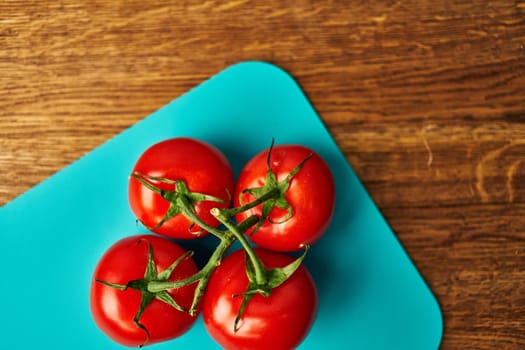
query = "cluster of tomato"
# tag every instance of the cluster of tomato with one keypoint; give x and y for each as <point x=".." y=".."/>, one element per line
<point x="147" y="288"/>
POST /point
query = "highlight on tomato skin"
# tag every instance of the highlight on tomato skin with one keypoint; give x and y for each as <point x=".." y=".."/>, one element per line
<point x="114" y="309"/>
<point x="202" y="167"/>
<point x="280" y="321"/>
<point x="310" y="196"/>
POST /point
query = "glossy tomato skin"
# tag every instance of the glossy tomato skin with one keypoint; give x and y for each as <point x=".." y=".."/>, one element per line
<point x="278" y="322"/>
<point x="311" y="195"/>
<point x="200" y="165"/>
<point x="113" y="310"/>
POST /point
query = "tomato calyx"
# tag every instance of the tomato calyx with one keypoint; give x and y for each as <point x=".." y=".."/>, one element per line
<point x="274" y="277"/>
<point x="273" y="193"/>
<point x="141" y="285"/>
<point x="181" y="200"/>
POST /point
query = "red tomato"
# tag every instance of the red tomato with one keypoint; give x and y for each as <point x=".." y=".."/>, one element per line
<point x="201" y="166"/>
<point x="279" y="321"/>
<point x="114" y="309"/>
<point x="311" y="195"/>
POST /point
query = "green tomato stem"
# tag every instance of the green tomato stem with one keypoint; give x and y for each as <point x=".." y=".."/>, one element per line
<point x="259" y="269"/>
<point x="203" y="275"/>
<point x="189" y="213"/>
<point x="273" y="193"/>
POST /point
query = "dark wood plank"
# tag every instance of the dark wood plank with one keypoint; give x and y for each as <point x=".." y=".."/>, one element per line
<point x="473" y="255"/>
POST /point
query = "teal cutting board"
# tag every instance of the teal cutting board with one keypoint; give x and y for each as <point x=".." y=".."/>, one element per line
<point x="371" y="295"/>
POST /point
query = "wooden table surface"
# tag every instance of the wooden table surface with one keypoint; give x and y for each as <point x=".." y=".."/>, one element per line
<point x="425" y="98"/>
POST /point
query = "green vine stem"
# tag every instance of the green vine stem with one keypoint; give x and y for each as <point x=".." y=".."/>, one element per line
<point x="259" y="269"/>
<point x="271" y="194"/>
<point x="203" y="275"/>
<point x="180" y="199"/>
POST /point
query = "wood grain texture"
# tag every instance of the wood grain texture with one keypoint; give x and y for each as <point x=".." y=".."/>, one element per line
<point x="425" y="98"/>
